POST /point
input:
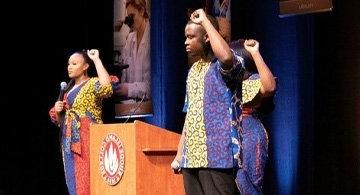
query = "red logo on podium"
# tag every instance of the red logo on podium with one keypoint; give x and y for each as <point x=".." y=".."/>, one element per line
<point x="112" y="159"/>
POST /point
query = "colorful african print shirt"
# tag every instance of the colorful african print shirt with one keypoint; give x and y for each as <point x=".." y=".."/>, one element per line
<point x="213" y="118"/>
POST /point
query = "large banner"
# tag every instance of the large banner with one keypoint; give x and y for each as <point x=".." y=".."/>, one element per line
<point x="132" y="57"/>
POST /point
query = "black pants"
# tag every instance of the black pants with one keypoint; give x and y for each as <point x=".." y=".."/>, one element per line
<point x="209" y="181"/>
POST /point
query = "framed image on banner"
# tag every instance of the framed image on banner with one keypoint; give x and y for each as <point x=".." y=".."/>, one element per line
<point x="132" y="58"/>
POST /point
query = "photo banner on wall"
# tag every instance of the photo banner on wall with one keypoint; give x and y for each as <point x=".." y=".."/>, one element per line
<point x="296" y="7"/>
<point x="132" y="58"/>
<point x="219" y="9"/>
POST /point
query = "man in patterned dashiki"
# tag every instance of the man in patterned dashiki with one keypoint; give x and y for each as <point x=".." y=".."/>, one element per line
<point x="209" y="148"/>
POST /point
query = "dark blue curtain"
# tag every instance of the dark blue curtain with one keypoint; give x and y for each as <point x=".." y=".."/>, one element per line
<point x="169" y="63"/>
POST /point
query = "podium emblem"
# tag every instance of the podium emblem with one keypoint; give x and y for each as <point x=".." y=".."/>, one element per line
<point x="112" y="159"/>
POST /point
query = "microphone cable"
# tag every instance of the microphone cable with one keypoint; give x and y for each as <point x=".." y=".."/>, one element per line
<point x="136" y="108"/>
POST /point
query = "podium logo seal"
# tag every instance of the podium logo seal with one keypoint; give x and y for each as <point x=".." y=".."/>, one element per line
<point x="112" y="159"/>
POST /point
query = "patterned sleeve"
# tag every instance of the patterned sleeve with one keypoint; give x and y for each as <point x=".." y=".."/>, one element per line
<point x="250" y="88"/>
<point x="102" y="91"/>
<point x="238" y="66"/>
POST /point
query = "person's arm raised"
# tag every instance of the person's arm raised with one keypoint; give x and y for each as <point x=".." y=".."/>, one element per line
<point x="219" y="46"/>
<point x="102" y="73"/>
<point x="268" y="84"/>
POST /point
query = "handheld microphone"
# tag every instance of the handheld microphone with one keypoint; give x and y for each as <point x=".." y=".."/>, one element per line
<point x="62" y="91"/>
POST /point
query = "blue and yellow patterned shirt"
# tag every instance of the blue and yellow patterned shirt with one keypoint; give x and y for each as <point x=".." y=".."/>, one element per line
<point x="213" y="119"/>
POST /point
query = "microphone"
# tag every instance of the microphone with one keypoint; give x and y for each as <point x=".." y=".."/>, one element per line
<point x="62" y="91"/>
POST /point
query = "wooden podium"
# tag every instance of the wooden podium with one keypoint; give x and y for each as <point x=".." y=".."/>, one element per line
<point x="139" y="153"/>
